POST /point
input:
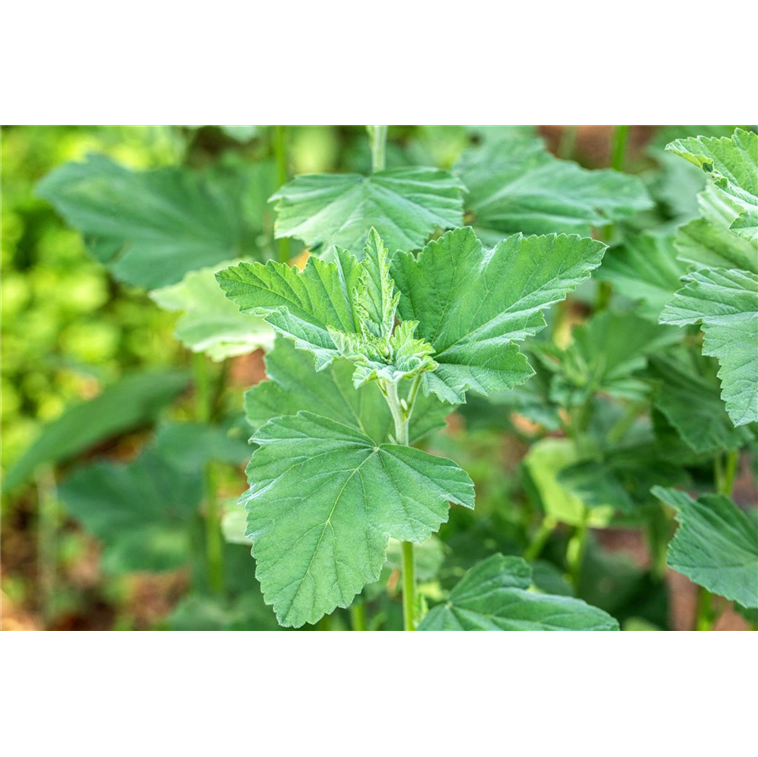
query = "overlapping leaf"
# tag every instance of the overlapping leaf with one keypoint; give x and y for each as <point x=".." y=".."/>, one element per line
<point x="723" y="294"/>
<point x="323" y="500"/>
<point x="716" y="545"/>
<point x="493" y="596"/>
<point x="733" y="166"/>
<point x="152" y="227"/>
<point x="210" y="323"/>
<point x="405" y="205"/>
<point x="604" y="356"/>
<point x="306" y="306"/>
<point x="473" y="306"/>
<point x="294" y="386"/>
<point x="725" y="302"/>
<point x="140" y="511"/>
<point x="515" y="185"/>
<point x="646" y="270"/>
<point x="688" y="395"/>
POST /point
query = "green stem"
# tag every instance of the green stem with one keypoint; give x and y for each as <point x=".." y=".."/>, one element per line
<point x="201" y="375"/>
<point x="282" y="175"/>
<point x="576" y="549"/>
<point x="619" y="143"/>
<point x="214" y="543"/>
<point x="568" y="142"/>
<point x="325" y="624"/>
<point x="48" y="515"/>
<point x="729" y="473"/>
<point x="604" y="294"/>
<point x="358" y="615"/>
<point x="214" y="546"/>
<point x="704" y="616"/>
<point x="409" y="588"/>
<point x="378" y="135"/>
<point x="619" y="429"/>
<point x="401" y="414"/>
<point x="540" y="539"/>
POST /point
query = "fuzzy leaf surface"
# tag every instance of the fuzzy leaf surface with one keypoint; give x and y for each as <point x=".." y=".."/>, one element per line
<point x="725" y="302"/>
<point x="302" y="305"/>
<point x="688" y="396"/>
<point x="515" y="185"/>
<point x="716" y="545"/>
<point x="323" y="501"/>
<point x="732" y="163"/>
<point x="473" y="305"/>
<point x="405" y="205"/>
<point x="646" y="270"/>
<point x="493" y="596"/>
<point x="294" y="385"/>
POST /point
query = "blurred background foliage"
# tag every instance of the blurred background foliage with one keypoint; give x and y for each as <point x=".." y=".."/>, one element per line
<point x="69" y="330"/>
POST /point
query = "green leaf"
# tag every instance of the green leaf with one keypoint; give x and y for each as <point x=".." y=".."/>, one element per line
<point x="515" y="185"/>
<point x="493" y="596"/>
<point x="129" y="403"/>
<point x="200" y="612"/>
<point x="544" y="463"/>
<point x="604" y="356"/>
<point x="689" y="398"/>
<point x="191" y="446"/>
<point x="706" y="244"/>
<point x="302" y="305"/>
<point x="294" y="386"/>
<point x="716" y="545"/>
<point x="725" y="302"/>
<point x="472" y="306"/>
<point x="323" y="501"/>
<point x="621" y="476"/>
<point x="152" y="227"/>
<point x="210" y="322"/>
<point x="376" y="298"/>
<point x="141" y="511"/>
<point x="644" y="269"/>
<point x="732" y="164"/>
<point x="405" y="205"/>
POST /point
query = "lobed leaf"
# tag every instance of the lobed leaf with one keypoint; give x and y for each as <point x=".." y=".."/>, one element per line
<point x="493" y="596"/>
<point x="646" y="270"/>
<point x="210" y="322"/>
<point x="152" y="227"/>
<point x="294" y="386"/>
<point x="716" y="545"/>
<point x="472" y="305"/>
<point x="302" y="305"/>
<point x="725" y="303"/>
<point x="323" y="501"/>
<point x="515" y="185"/>
<point x="405" y="205"/>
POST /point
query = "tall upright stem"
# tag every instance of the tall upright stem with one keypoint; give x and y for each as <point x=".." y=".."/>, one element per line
<point x="214" y="548"/>
<point x="619" y="143"/>
<point x="47" y="540"/>
<point x="280" y="156"/>
<point x="409" y="588"/>
<point x="401" y="414"/>
<point x="378" y="136"/>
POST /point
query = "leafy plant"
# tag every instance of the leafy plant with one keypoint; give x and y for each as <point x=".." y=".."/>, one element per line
<point x="408" y="365"/>
<point x="722" y="292"/>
